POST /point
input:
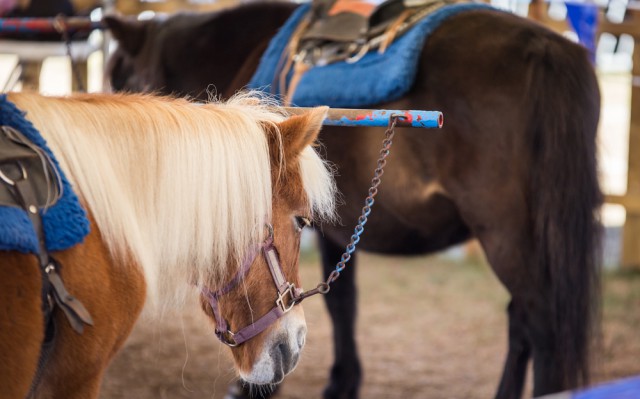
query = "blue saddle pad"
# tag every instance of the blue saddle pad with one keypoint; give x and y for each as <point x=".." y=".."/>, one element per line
<point x="65" y="223"/>
<point x="373" y="79"/>
<point x="628" y="388"/>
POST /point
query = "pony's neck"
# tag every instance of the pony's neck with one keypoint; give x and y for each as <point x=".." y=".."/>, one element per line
<point x="152" y="173"/>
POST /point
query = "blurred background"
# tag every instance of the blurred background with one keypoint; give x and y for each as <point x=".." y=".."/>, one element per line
<point x="447" y="335"/>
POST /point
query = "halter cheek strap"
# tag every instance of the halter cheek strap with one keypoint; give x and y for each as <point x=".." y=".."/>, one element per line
<point x="284" y="288"/>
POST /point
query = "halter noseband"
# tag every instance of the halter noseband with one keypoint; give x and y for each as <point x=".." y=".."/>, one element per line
<point x="285" y="290"/>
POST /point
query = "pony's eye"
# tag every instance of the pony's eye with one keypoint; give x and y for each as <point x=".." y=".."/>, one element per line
<point x="302" y="222"/>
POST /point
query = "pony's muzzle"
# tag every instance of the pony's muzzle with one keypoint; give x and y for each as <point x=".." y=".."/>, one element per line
<point x="280" y="355"/>
<point x="285" y="354"/>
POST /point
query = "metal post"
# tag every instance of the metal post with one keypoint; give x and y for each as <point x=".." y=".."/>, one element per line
<point x="377" y="117"/>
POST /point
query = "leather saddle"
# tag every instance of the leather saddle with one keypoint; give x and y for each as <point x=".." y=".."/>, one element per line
<point x="340" y="30"/>
<point x="21" y="160"/>
<point x="352" y="20"/>
<point x="346" y="30"/>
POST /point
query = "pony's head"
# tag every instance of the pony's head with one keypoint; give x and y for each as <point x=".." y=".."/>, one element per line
<point x="177" y="54"/>
<point x="128" y="66"/>
<point x="255" y="312"/>
<point x="165" y="56"/>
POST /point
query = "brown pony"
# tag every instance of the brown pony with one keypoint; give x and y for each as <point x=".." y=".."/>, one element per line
<point x="177" y="196"/>
<point x="514" y="167"/>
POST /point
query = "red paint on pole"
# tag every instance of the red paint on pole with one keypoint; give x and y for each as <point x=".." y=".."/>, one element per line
<point x="365" y="116"/>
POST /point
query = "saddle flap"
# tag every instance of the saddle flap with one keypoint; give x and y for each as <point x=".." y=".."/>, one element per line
<point x="353" y="20"/>
<point x="342" y="27"/>
<point x="11" y="152"/>
<point x="20" y="160"/>
<point x="384" y="15"/>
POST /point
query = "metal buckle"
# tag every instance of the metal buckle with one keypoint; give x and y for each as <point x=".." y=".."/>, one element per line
<point x="10" y="181"/>
<point x="227" y="338"/>
<point x="269" y="230"/>
<point x="291" y="289"/>
<point x="359" y="54"/>
<point x="50" y="267"/>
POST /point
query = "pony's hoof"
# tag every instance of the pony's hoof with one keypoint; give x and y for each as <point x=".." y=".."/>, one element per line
<point x="242" y="390"/>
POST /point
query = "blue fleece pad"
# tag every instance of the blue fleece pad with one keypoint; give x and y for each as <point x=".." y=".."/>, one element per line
<point x="623" y="389"/>
<point x="65" y="224"/>
<point x="374" y="79"/>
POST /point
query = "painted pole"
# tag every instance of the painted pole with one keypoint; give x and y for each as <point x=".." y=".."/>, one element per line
<point x="377" y="117"/>
<point x="48" y="25"/>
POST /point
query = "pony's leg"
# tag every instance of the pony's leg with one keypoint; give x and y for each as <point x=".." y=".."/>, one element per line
<point x="515" y="367"/>
<point x="507" y="246"/>
<point x="530" y="312"/>
<point x="548" y="375"/>
<point x="534" y="335"/>
<point x="341" y="303"/>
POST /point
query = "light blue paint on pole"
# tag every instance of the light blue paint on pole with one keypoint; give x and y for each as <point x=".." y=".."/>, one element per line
<point x="380" y="118"/>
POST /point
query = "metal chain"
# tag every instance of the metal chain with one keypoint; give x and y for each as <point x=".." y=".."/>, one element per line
<point x="325" y="286"/>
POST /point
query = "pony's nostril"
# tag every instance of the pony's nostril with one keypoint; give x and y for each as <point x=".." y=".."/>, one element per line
<point x="283" y="357"/>
<point x="285" y="351"/>
<point x="302" y="334"/>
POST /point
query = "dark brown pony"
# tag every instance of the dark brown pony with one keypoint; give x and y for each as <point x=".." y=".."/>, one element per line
<point x="167" y="224"/>
<point x="514" y="167"/>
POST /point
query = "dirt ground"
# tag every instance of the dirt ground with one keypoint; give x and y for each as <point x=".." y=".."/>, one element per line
<point x="448" y="338"/>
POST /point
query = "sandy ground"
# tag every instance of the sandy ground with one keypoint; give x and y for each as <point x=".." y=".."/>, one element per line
<point x="447" y="338"/>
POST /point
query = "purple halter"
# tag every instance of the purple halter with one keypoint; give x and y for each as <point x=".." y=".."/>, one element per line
<point x="285" y="289"/>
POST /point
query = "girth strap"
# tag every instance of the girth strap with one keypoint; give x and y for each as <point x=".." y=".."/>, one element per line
<point x="29" y="180"/>
<point x="75" y="312"/>
<point x="22" y="189"/>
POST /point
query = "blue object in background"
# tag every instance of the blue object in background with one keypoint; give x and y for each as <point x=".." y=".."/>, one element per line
<point x="622" y="389"/>
<point x="583" y="18"/>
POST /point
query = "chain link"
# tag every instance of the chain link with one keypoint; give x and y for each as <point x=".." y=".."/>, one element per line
<point x="325" y="286"/>
<point x="368" y="203"/>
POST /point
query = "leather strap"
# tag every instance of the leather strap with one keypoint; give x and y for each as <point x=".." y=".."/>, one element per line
<point x="26" y="198"/>
<point x="19" y="159"/>
<point x="285" y="290"/>
<point x="76" y="313"/>
<point x="258" y="326"/>
<point x="299" y="69"/>
<point x="271" y="255"/>
<point x="53" y="290"/>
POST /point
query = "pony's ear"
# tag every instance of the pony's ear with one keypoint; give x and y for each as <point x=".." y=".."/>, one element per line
<point x="129" y="33"/>
<point x="299" y="131"/>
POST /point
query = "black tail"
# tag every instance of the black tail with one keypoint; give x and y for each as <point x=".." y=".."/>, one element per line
<point x="565" y="197"/>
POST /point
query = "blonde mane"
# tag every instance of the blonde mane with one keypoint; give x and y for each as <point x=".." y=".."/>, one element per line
<point x="180" y="188"/>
